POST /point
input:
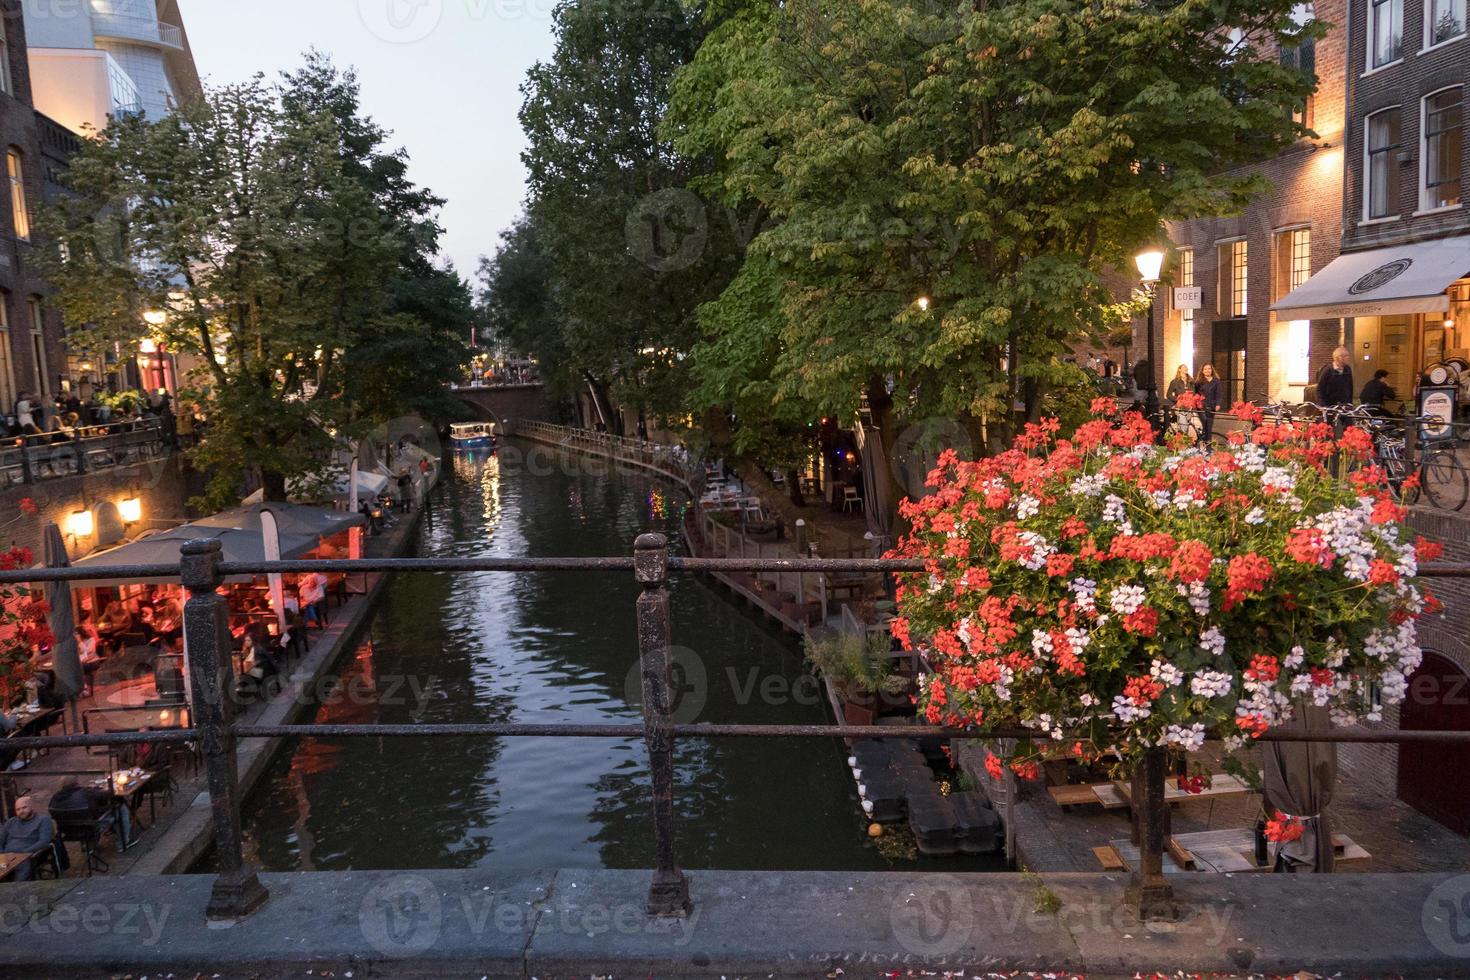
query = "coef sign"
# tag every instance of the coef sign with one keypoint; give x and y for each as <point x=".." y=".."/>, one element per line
<point x="1188" y="297"/>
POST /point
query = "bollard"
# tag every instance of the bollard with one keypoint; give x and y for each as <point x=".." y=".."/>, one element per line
<point x="669" y="894"/>
<point x="237" y="890"/>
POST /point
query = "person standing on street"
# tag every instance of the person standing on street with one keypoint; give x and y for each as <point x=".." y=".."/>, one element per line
<point x="1335" y="381"/>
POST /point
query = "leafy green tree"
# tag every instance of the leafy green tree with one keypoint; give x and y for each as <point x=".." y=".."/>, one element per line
<point x="631" y="252"/>
<point x="951" y="183"/>
<point x="249" y="220"/>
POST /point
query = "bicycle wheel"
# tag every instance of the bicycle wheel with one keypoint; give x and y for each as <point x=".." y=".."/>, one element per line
<point x="1445" y="481"/>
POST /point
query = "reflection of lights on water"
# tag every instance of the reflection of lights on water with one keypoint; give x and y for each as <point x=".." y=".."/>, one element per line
<point x="490" y="490"/>
<point x="656" y="503"/>
<point x="574" y="503"/>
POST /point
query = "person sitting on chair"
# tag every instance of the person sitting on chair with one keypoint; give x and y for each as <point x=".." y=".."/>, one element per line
<point x="25" y="833"/>
<point x="1376" y="392"/>
<point x="73" y="798"/>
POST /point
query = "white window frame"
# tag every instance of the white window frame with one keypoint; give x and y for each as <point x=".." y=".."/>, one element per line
<point x="1225" y="273"/>
<point x="8" y="392"/>
<point x="7" y="84"/>
<point x="1372" y="34"/>
<point x="1185" y="259"/>
<point x="1429" y="42"/>
<point x="1424" y="206"/>
<point x="1368" y="217"/>
<point x="41" y="370"/>
<point x="20" y="206"/>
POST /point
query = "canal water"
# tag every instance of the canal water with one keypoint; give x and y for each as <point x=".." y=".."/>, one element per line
<point x="554" y="647"/>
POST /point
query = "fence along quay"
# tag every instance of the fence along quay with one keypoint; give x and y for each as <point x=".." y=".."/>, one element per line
<point x="237" y="891"/>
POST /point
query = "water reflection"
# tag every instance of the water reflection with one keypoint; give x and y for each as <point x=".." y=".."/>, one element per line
<point x="552" y="648"/>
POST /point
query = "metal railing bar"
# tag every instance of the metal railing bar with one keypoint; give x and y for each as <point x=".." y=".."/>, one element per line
<point x="534" y="730"/>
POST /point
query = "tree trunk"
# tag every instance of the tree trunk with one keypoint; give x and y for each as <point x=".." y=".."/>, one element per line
<point x="881" y="406"/>
<point x="793" y="487"/>
<point x="273" y="486"/>
<point x="601" y="402"/>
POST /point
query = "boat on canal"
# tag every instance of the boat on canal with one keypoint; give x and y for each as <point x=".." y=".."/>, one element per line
<point x="472" y="435"/>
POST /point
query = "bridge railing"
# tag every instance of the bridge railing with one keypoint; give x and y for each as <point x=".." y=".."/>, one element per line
<point x="237" y="890"/>
<point x="673" y="461"/>
<point x="84" y="449"/>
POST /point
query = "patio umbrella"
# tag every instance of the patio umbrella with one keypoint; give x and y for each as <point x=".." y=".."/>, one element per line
<point x="1300" y="778"/>
<point x="65" y="660"/>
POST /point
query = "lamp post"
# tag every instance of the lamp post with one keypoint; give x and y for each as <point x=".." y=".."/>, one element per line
<point x="1150" y="264"/>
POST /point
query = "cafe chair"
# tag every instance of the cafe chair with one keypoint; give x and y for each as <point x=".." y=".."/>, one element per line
<point x="53" y="860"/>
<point x="85" y="830"/>
<point x="850" y="499"/>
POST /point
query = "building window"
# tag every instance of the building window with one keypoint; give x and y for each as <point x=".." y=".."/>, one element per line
<point x="1442" y="134"/>
<point x="1234" y="273"/>
<point x="41" y="371"/>
<point x="6" y="85"/>
<point x="19" y="213"/>
<point x="1382" y="197"/>
<point x="7" y="369"/>
<point x="1443" y="20"/>
<point x="1186" y="317"/>
<point x="1303" y="58"/>
<point x="1385" y="32"/>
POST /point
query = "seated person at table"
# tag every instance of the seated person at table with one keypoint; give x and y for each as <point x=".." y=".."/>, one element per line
<point x="74" y="798"/>
<point x="168" y="621"/>
<point x="114" y="623"/>
<point x="258" y="659"/>
<point x="25" y="833"/>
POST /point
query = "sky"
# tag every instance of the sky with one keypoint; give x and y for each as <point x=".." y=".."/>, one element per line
<point x="442" y="75"/>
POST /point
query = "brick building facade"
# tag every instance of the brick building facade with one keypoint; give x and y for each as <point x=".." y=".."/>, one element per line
<point x="31" y="347"/>
<point x="1243" y="264"/>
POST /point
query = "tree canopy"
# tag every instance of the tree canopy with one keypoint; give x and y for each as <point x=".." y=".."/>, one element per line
<point x="292" y="259"/>
<point x="951" y="183"/>
<point x="629" y="251"/>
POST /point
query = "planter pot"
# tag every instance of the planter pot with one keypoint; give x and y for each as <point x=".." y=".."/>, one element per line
<point x="859" y="710"/>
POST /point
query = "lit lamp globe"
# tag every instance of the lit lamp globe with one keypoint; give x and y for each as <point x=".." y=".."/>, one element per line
<point x="155" y="318"/>
<point x="1150" y="264"/>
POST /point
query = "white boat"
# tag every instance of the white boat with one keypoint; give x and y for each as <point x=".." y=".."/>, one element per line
<point x="472" y="435"/>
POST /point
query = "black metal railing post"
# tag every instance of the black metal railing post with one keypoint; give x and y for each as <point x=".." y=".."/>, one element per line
<point x="237" y="890"/>
<point x="669" y="893"/>
<point x="1150" y="891"/>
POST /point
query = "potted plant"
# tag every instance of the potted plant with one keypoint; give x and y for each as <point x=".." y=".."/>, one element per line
<point x="1109" y="593"/>
<point x="859" y="667"/>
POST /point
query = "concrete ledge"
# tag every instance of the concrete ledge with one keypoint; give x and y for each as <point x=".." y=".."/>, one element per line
<point x="775" y="924"/>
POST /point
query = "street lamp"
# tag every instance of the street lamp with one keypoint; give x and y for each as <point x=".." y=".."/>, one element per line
<point x="1150" y="264"/>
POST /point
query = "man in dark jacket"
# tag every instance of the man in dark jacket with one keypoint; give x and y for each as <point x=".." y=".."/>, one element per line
<point x="1377" y="391"/>
<point x="74" y="798"/>
<point x="1335" y="382"/>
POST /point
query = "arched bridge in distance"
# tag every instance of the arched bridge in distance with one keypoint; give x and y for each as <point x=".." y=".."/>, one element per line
<point x="497" y="403"/>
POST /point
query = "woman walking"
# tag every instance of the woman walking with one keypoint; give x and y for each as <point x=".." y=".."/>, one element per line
<point x="1209" y="387"/>
<point x="1181" y="384"/>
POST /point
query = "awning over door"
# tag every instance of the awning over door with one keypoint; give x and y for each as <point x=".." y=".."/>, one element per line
<point x="1410" y="278"/>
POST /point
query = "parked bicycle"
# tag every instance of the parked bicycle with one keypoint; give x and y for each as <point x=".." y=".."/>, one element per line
<point x="1442" y="478"/>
